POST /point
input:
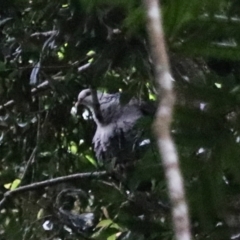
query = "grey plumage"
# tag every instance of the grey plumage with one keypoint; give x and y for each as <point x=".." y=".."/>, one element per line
<point x="116" y="135"/>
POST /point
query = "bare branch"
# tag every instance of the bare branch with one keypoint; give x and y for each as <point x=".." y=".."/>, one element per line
<point x="163" y="120"/>
<point x="7" y="104"/>
<point x="45" y="34"/>
<point x="84" y="67"/>
<point x="42" y="86"/>
<point x="49" y="182"/>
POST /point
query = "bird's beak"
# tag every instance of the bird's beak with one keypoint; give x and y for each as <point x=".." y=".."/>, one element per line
<point x="79" y="102"/>
<point x="76" y="104"/>
<point x="74" y="109"/>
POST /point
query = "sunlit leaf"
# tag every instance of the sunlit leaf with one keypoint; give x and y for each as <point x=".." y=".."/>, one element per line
<point x="40" y="213"/>
<point x="7" y="185"/>
<point x="91" y="160"/>
<point x="15" y="184"/>
<point x="112" y="237"/>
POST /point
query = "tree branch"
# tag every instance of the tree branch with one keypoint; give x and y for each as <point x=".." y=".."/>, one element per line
<point x="163" y="120"/>
<point x="41" y="87"/>
<point x="96" y="105"/>
<point x="49" y="182"/>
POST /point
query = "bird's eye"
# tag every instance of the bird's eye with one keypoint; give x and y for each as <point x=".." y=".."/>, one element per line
<point x="88" y="94"/>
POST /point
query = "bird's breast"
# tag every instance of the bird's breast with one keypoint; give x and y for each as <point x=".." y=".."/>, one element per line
<point x="102" y="135"/>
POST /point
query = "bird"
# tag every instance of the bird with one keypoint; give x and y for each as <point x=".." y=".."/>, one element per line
<point x="117" y="138"/>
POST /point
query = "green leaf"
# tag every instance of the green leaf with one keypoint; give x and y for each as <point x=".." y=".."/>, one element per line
<point x="91" y="160"/>
<point x="112" y="237"/>
<point x="13" y="185"/>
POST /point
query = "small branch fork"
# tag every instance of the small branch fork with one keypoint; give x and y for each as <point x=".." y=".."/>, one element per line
<point x="163" y="120"/>
<point x="49" y="182"/>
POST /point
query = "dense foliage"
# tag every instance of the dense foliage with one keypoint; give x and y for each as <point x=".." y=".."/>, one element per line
<point x="50" y="50"/>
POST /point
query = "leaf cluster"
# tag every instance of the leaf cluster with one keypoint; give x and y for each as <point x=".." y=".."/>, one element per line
<point x="51" y="42"/>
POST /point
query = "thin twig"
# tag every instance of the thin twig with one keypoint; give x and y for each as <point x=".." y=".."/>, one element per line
<point x="31" y="159"/>
<point x="42" y="86"/>
<point x="49" y="182"/>
<point x="7" y="104"/>
<point x="70" y="192"/>
<point x="29" y="162"/>
<point x="45" y="34"/>
<point x="163" y="120"/>
<point x="84" y="67"/>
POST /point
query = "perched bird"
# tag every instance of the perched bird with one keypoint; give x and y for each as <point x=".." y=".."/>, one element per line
<point x="117" y="138"/>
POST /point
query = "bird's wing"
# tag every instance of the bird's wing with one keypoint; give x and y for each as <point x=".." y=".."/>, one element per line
<point x="118" y="136"/>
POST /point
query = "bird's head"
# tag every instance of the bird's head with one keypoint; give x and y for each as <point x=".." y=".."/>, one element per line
<point x="85" y="98"/>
